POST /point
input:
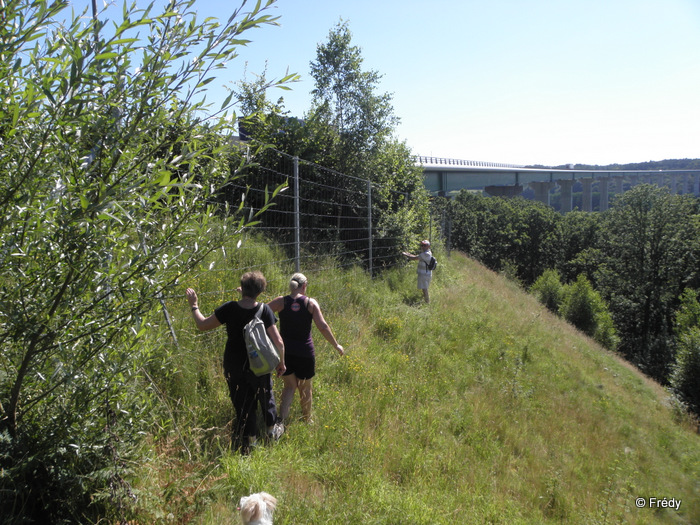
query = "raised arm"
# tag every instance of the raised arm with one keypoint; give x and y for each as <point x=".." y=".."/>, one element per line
<point x="203" y="323"/>
<point x="323" y="327"/>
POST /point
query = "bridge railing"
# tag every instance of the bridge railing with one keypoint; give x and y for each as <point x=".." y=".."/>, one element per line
<point x="419" y="159"/>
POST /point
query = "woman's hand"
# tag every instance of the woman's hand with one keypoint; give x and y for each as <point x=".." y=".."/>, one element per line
<point x="191" y="297"/>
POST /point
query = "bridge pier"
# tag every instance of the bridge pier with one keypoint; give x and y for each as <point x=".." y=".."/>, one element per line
<point x="690" y="184"/>
<point x="604" y="187"/>
<point x="566" y="202"/>
<point x="542" y="191"/>
<point x="503" y="191"/>
<point x="674" y="185"/>
<point x="587" y="202"/>
<point x="619" y="184"/>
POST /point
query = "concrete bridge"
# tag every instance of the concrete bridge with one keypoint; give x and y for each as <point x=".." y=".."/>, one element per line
<point x="443" y="176"/>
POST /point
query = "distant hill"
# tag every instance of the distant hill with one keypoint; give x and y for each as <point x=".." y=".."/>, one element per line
<point x="669" y="164"/>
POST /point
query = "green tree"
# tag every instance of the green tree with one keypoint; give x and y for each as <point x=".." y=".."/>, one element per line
<point x="346" y="97"/>
<point x="576" y="245"/>
<point x="401" y="203"/>
<point x="343" y="142"/>
<point x="503" y="233"/>
<point x="685" y="378"/>
<point x="688" y="314"/>
<point x="537" y="249"/>
<point x="483" y="227"/>
<point x="583" y="307"/>
<point x="107" y="174"/>
<point x="549" y="290"/>
<point x="649" y="253"/>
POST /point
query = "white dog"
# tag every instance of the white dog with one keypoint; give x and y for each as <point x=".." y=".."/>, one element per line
<point x="257" y="509"/>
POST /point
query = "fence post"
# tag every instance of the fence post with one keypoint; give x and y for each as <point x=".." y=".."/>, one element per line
<point x="369" y="222"/>
<point x="297" y="227"/>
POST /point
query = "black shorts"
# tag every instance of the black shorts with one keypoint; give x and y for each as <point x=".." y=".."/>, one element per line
<point x="302" y="367"/>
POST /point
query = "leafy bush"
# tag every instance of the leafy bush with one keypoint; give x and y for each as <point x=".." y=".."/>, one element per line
<point x="648" y="247"/>
<point x="583" y="307"/>
<point x="605" y="333"/>
<point x="510" y="235"/>
<point x="579" y="305"/>
<point x="107" y="175"/>
<point x="685" y="380"/>
<point x="549" y="290"/>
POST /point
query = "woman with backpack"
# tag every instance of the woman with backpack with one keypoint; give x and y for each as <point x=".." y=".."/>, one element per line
<point x="425" y="273"/>
<point x="245" y="388"/>
<point x="296" y="312"/>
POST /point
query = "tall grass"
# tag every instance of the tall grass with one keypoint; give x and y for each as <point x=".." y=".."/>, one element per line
<point x="482" y="407"/>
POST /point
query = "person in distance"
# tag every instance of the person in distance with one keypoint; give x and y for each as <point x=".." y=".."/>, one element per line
<point x="424" y="275"/>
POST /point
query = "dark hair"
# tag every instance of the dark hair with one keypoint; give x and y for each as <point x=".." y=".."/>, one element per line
<point x="253" y="284"/>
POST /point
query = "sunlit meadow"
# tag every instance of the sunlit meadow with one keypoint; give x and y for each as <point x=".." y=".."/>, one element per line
<point x="481" y="407"/>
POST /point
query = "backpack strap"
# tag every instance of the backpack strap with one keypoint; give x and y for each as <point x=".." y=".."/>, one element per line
<point x="258" y="312"/>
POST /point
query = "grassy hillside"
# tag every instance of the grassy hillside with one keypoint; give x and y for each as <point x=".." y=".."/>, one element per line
<point x="479" y="408"/>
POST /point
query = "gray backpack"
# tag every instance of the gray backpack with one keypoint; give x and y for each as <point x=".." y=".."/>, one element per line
<point x="262" y="354"/>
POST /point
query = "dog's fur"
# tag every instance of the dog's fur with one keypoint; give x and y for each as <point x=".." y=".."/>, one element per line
<point x="257" y="509"/>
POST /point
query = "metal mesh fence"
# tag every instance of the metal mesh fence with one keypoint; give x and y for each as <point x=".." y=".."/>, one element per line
<point x="323" y="219"/>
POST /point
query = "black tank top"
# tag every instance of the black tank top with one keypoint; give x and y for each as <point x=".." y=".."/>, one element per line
<point x="295" y="326"/>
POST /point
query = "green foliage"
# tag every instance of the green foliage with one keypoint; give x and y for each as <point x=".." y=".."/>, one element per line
<point x="688" y="314"/>
<point x="649" y="246"/>
<point x="346" y="96"/>
<point x="583" y="307"/>
<point x="577" y="238"/>
<point x="504" y="233"/>
<point x="401" y="206"/>
<point x="549" y="290"/>
<point x="580" y="304"/>
<point x="685" y="378"/>
<point x="552" y="428"/>
<point x="605" y="332"/>
<point x="107" y="174"/>
<point x="344" y="141"/>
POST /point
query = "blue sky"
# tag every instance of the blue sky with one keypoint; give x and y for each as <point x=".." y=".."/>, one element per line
<point x="516" y="81"/>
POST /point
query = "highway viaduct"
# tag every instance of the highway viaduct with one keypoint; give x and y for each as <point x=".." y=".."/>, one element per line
<point x="443" y="176"/>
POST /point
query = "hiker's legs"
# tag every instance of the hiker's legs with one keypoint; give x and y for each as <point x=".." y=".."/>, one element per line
<point x="423" y="284"/>
<point x="290" y="386"/>
<point x="245" y="426"/>
<point x="305" y="398"/>
<point x="267" y="402"/>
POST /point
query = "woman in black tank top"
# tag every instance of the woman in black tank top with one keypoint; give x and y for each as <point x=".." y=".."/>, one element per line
<point x="296" y="312"/>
